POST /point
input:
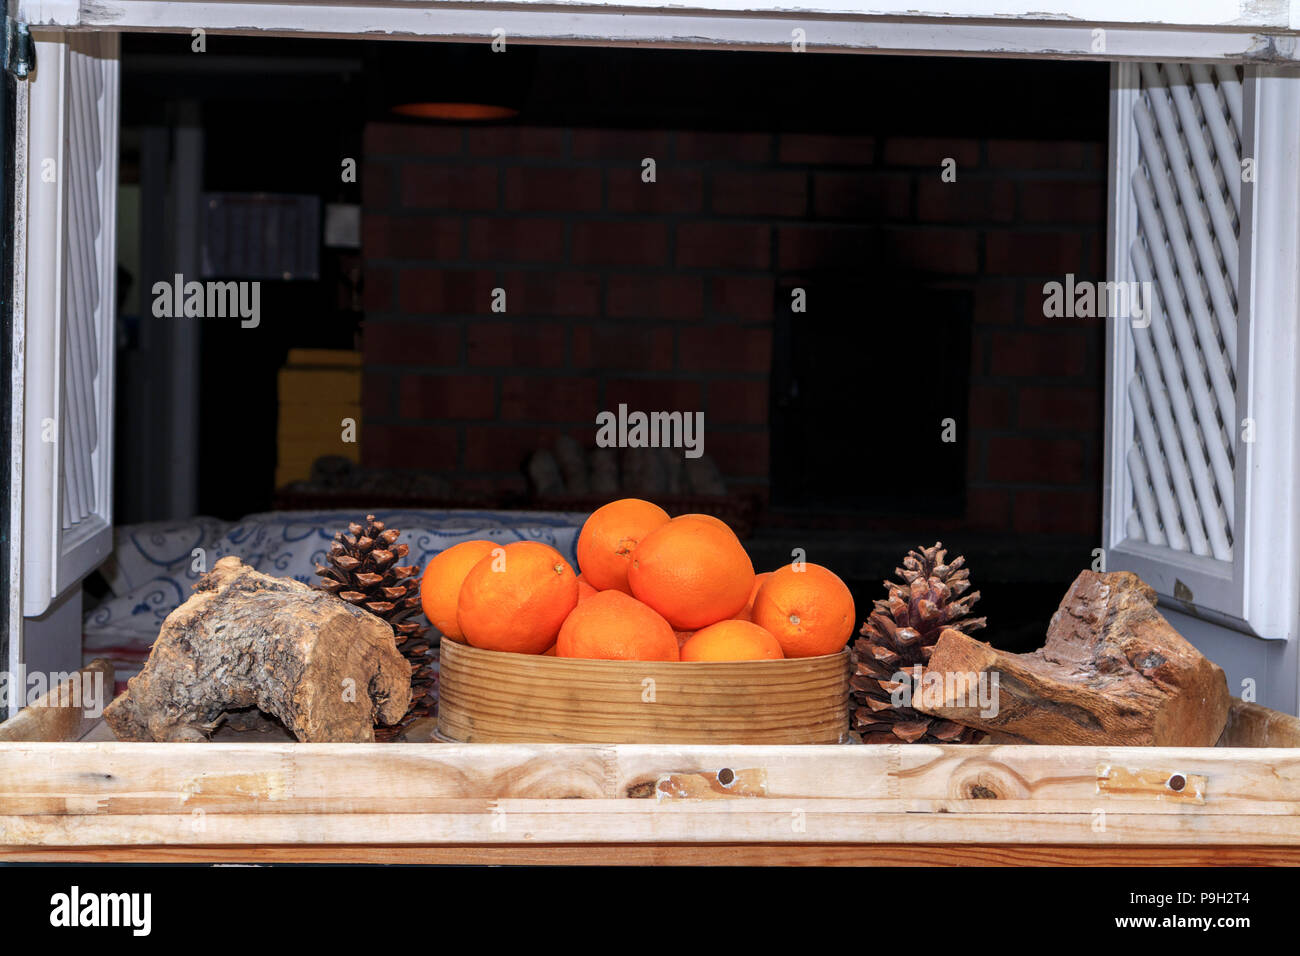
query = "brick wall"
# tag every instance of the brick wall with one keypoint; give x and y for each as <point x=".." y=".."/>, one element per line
<point x="661" y="294"/>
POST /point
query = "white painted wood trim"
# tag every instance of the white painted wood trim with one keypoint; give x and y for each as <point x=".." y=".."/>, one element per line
<point x="1268" y="384"/>
<point x="1189" y="30"/>
<point x="18" y="406"/>
<point x="54" y="560"/>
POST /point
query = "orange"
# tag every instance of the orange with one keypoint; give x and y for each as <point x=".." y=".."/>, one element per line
<point x="732" y="641"/>
<point x="746" y="613"/>
<point x="609" y="536"/>
<point x="693" y="571"/>
<point x="549" y="652"/>
<point x="810" y="612"/>
<point x="440" y="585"/>
<point x="683" y="637"/>
<point x="516" y="597"/>
<point x="710" y="519"/>
<point x="585" y="590"/>
<point x="611" y="626"/>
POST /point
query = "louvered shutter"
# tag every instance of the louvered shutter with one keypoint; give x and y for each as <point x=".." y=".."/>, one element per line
<point x="1201" y="491"/>
<point x="71" y="179"/>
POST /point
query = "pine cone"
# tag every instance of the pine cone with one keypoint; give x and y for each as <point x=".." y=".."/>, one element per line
<point x="362" y="568"/>
<point x="899" y="637"/>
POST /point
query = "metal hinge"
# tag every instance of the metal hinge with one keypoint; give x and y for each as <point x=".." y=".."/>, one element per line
<point x="19" y="54"/>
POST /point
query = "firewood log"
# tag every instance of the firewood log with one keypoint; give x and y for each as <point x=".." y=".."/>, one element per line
<point x="1113" y="672"/>
<point x="326" y="669"/>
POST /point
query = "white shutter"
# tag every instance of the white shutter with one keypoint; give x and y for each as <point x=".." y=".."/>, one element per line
<point x="1201" y="452"/>
<point x="71" y="263"/>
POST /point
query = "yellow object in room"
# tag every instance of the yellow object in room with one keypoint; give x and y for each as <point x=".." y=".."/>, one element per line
<point x="319" y="393"/>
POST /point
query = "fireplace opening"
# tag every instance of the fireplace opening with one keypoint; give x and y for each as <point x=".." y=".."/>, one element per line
<point x="837" y="261"/>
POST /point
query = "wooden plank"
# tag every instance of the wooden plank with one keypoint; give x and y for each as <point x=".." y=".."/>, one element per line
<point x="68" y="711"/>
<point x="287" y="778"/>
<point x="628" y="821"/>
<point x="663" y="854"/>
<point x="1250" y="725"/>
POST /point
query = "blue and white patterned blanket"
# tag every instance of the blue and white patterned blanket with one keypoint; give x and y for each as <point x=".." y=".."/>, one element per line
<point x="155" y="566"/>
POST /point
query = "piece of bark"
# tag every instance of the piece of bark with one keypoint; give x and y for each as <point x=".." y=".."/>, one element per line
<point x="325" y="669"/>
<point x="1113" y="672"/>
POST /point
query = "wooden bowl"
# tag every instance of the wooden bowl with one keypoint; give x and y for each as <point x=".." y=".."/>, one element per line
<point x="495" y="697"/>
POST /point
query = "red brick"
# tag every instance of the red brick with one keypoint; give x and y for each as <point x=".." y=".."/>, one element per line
<point x="516" y="240"/>
<point x="824" y="247"/>
<point x="965" y="201"/>
<point x="534" y="189"/>
<point x="952" y="251"/>
<point x="820" y="150"/>
<point x="505" y="448"/>
<point x="410" y="343"/>
<point x="726" y="348"/>
<point x="713" y="147"/>
<point x="723" y="245"/>
<point x="738" y="193"/>
<point x="739" y="454"/>
<point x="548" y="292"/>
<point x="431" y="447"/>
<point x="516" y="142"/>
<point x="424" y="396"/>
<point x="1041" y="154"/>
<point x="1066" y="409"/>
<point x="1033" y="253"/>
<point x="445" y="291"/>
<point x="1057" y="461"/>
<point x="654" y="394"/>
<point x="995" y="304"/>
<point x="862" y="195"/>
<point x="1036" y="511"/>
<point x="515" y="344"/>
<point x="740" y="402"/>
<point x="376" y="394"/>
<point x="655" y="295"/>
<point x="620" y="243"/>
<point x="931" y="152"/>
<point x="611" y="347"/>
<point x="987" y="509"/>
<point x="1035" y="300"/>
<point x="410" y="237"/>
<point x="411" y="139"/>
<point x="566" y="399"/>
<point x="990" y="406"/>
<point x="675" y="190"/>
<point x="1038" y="355"/>
<point x="628" y="144"/>
<point x="376" y="289"/>
<point x="750" y="298"/>
<point x="1072" y="202"/>
<point x="377" y="185"/>
<point x="449" y="187"/>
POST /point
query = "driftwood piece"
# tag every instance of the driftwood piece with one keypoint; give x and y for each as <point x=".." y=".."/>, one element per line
<point x="1113" y="671"/>
<point x="325" y="669"/>
<point x="66" y="712"/>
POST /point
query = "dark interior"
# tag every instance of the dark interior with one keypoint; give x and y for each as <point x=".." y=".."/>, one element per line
<point x="829" y="423"/>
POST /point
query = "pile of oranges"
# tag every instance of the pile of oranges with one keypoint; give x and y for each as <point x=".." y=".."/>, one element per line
<point x="651" y="588"/>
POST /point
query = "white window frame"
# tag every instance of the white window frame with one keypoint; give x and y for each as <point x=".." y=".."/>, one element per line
<point x="1262" y="35"/>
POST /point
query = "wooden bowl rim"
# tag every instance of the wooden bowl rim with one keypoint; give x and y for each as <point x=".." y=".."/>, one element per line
<point x="586" y="661"/>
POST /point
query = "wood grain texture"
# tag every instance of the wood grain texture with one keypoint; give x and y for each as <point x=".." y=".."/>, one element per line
<point x="666" y="854"/>
<point x="1250" y="725"/>
<point x="107" y="794"/>
<point x="1113" y="672"/>
<point x="492" y="697"/>
<point x="68" y="711"/>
